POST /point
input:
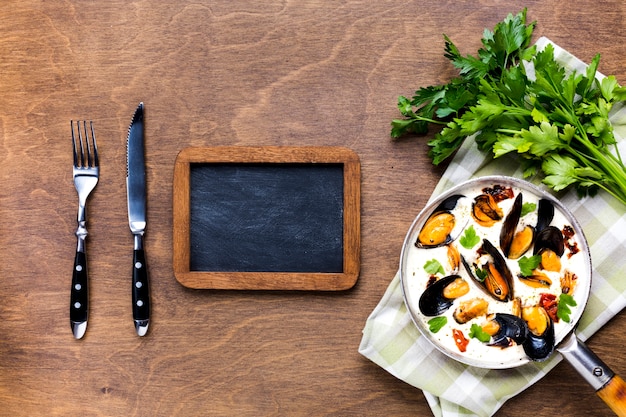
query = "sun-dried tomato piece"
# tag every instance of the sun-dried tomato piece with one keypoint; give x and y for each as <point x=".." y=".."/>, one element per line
<point x="550" y="304"/>
<point x="460" y="340"/>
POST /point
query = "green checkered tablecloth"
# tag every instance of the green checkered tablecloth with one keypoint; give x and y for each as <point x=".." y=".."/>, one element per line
<point x="391" y="340"/>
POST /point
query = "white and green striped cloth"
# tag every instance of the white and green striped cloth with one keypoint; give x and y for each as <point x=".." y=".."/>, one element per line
<point x="391" y="340"/>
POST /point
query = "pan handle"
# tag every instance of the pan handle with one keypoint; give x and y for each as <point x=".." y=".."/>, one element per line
<point x="609" y="387"/>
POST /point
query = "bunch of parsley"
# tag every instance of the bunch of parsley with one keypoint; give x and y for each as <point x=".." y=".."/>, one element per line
<point x="512" y="98"/>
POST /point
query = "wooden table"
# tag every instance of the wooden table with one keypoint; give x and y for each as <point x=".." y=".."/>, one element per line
<point x="229" y="73"/>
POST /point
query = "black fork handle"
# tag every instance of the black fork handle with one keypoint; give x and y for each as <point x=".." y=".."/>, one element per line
<point x="79" y="295"/>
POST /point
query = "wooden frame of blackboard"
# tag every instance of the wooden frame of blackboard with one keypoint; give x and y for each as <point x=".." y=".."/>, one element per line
<point x="268" y="156"/>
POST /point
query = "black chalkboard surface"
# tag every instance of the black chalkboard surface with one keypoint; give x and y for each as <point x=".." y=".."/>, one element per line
<point x="267" y="218"/>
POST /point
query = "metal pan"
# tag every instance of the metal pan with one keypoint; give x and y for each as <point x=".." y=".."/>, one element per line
<point x="421" y="265"/>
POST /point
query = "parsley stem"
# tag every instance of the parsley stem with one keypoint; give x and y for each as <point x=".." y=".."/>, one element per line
<point x="429" y="120"/>
<point x="606" y="164"/>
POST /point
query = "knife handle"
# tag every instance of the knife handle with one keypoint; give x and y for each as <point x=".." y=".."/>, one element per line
<point x="79" y="295"/>
<point x="141" y="287"/>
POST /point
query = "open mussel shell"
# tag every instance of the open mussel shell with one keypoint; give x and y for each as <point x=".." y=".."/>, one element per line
<point x="509" y="225"/>
<point x="515" y="243"/>
<point x="550" y="238"/>
<point x="511" y="328"/>
<point x="498" y="282"/>
<point x="449" y="203"/>
<point x="515" y="356"/>
<point x="485" y="210"/>
<point x="433" y="302"/>
<point x="545" y="214"/>
<point x="540" y="347"/>
<point x="521" y="242"/>
<point x="439" y="226"/>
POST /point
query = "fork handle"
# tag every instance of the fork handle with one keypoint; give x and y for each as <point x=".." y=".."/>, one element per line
<point x="79" y="295"/>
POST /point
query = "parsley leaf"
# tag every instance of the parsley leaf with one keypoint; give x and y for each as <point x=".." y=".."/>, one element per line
<point x="433" y="267"/>
<point x="469" y="238"/>
<point x="563" y="308"/>
<point x="527" y="265"/>
<point x="435" y="324"/>
<point x="477" y="332"/>
<point x="563" y="171"/>
<point x="481" y="274"/>
<point x="528" y="208"/>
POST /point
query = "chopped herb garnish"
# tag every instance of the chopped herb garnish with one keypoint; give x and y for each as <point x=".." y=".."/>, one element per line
<point x="481" y="274"/>
<point x="563" y="309"/>
<point x="433" y="267"/>
<point x="434" y="325"/>
<point x="528" y="208"/>
<point x="477" y="332"/>
<point x="469" y="238"/>
<point x="528" y="265"/>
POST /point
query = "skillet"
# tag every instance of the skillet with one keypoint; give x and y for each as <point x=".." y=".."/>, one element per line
<point x="421" y="256"/>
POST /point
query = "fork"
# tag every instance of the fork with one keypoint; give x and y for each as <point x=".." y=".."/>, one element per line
<point x="85" y="171"/>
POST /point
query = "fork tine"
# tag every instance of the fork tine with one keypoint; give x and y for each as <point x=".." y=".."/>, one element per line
<point x="96" y="163"/>
<point x="84" y="146"/>
<point x="74" y="147"/>
<point x="85" y="149"/>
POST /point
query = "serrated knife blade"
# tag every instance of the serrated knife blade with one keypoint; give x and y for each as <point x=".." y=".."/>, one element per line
<point x="136" y="195"/>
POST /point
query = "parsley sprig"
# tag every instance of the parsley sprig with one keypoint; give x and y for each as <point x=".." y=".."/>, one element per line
<point x="528" y="264"/>
<point x="470" y="238"/>
<point x="563" y="308"/>
<point x="513" y="99"/>
<point x="477" y="332"/>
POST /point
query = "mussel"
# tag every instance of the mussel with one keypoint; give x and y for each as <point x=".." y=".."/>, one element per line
<point x="537" y="279"/>
<point x="438" y="297"/>
<point x="568" y="282"/>
<point x="498" y="279"/>
<point x="545" y="214"/>
<point x="496" y="283"/>
<point x="454" y="258"/>
<point x="509" y="226"/>
<point x="457" y="288"/>
<point x="515" y="243"/>
<point x="485" y="210"/>
<point x="540" y="341"/>
<point x="470" y="309"/>
<point x="549" y="238"/>
<point x="521" y="242"/>
<point x="449" y="203"/>
<point x="506" y="329"/>
<point x="437" y="229"/>
<point x="550" y="261"/>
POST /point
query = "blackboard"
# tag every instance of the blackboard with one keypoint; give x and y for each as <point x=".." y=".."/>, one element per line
<point x="267" y="218"/>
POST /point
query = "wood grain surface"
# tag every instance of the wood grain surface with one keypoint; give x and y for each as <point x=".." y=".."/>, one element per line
<point x="224" y="72"/>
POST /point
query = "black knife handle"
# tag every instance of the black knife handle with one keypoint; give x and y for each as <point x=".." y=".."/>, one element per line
<point x="141" y="286"/>
<point x="79" y="296"/>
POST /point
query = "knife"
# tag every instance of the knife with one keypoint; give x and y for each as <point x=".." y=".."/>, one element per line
<point x="136" y="194"/>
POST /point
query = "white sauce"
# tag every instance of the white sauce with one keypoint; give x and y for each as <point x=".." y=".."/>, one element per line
<point x="478" y="353"/>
